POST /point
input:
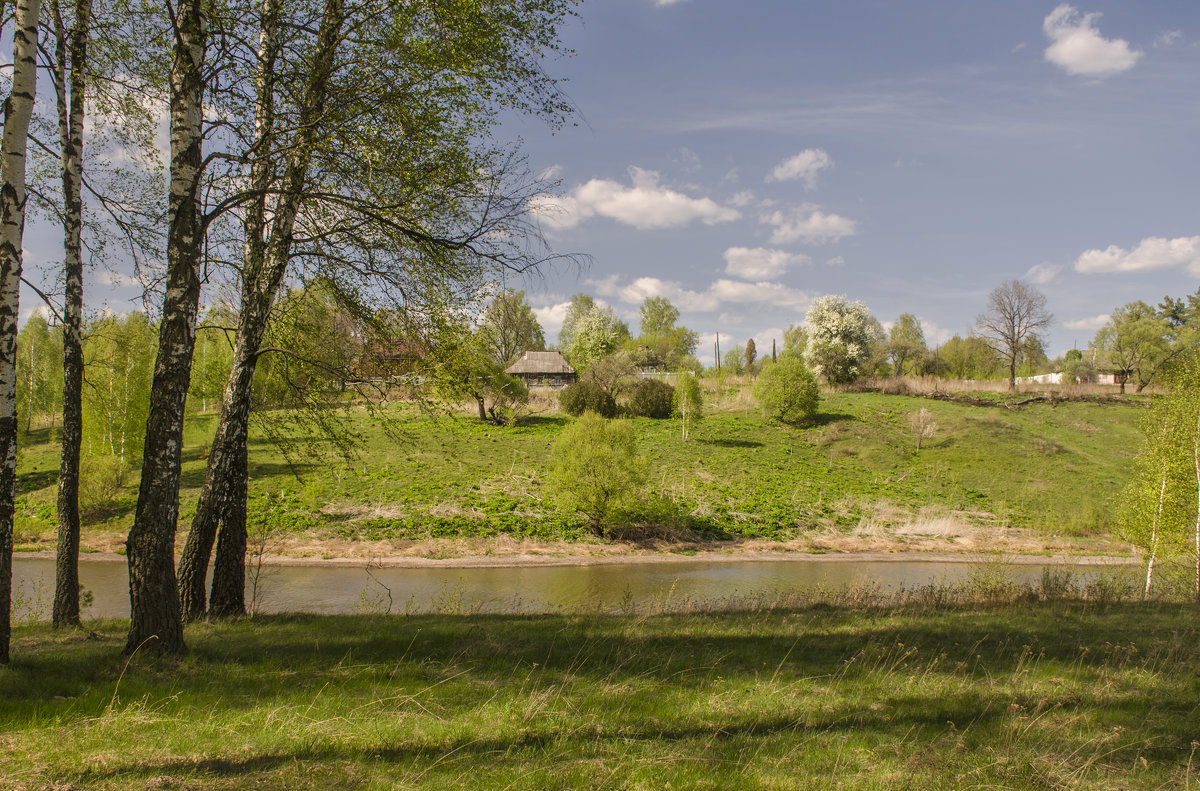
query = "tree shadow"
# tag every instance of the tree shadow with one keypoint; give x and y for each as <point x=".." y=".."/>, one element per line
<point x="469" y="658"/>
<point x="826" y="418"/>
<point x="731" y="443"/>
<point x="32" y="481"/>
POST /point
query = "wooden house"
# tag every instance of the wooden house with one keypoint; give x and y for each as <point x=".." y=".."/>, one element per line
<point x="543" y="369"/>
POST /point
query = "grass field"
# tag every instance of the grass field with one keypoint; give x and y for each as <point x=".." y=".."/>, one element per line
<point x="855" y="472"/>
<point x="1032" y="694"/>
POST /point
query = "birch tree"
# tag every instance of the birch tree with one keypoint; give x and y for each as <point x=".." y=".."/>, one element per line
<point x="1160" y="508"/>
<point x="18" y="110"/>
<point x="70" y="88"/>
<point x="389" y="190"/>
<point x="155" y="620"/>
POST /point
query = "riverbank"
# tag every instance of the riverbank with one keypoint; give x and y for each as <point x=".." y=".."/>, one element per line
<point x="925" y="542"/>
<point x="1035" y="694"/>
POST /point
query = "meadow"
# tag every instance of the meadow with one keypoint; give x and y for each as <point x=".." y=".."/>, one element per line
<point x="940" y="691"/>
<point x="1040" y="477"/>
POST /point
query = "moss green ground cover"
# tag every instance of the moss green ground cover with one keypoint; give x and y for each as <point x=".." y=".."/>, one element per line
<point x="1048" y="467"/>
<point x="1037" y="695"/>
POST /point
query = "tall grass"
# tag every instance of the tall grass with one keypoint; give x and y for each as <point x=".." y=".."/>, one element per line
<point x="943" y="690"/>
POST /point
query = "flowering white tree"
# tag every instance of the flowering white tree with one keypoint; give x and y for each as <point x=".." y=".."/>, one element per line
<point x="596" y="333"/>
<point x="839" y="338"/>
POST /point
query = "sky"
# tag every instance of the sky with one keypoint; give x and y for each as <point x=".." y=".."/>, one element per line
<point x="744" y="158"/>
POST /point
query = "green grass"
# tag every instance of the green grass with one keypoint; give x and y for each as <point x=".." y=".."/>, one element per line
<point x="1052" y="468"/>
<point x="1037" y="695"/>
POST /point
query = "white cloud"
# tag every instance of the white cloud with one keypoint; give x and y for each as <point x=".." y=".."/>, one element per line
<point x="643" y="205"/>
<point x="667" y="2"/>
<point x="934" y="334"/>
<point x="1169" y="38"/>
<point x="722" y="292"/>
<point x="837" y="260"/>
<point x="742" y="199"/>
<point x="1090" y="323"/>
<point x="1150" y="255"/>
<point x="1042" y="274"/>
<point x="1079" y="48"/>
<point x="804" y="166"/>
<point x="551" y="316"/>
<point x="107" y="278"/>
<point x="808" y="223"/>
<point x="41" y="311"/>
<point x="759" y="263"/>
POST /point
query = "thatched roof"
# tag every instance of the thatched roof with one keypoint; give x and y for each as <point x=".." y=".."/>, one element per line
<point x="540" y="363"/>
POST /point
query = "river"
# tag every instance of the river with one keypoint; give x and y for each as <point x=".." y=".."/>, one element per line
<point x="631" y="586"/>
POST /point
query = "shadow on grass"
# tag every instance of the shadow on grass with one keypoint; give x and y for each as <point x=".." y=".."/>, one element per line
<point x="731" y="443"/>
<point x="827" y="418"/>
<point x="33" y="481"/>
<point x="871" y="664"/>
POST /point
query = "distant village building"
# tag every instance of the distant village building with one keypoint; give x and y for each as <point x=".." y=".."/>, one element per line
<point x="543" y="369"/>
<point x="1041" y="379"/>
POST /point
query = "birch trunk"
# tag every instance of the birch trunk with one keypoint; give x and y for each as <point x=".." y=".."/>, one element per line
<point x="1153" y="555"/>
<point x="235" y="405"/>
<point x="17" y="111"/>
<point x="155" y="620"/>
<point x="229" y="569"/>
<point x="71" y="114"/>
<point x="223" y="499"/>
<point x="1196" y="467"/>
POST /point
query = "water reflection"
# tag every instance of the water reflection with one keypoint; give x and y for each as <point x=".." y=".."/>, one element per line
<point x="632" y="586"/>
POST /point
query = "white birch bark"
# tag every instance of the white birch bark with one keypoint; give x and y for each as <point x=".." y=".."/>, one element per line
<point x="18" y="109"/>
<point x="71" y="115"/>
<point x="155" y="622"/>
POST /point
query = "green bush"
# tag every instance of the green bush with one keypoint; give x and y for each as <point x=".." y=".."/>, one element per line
<point x="787" y="390"/>
<point x="587" y="397"/>
<point x="652" y="398"/>
<point x="595" y="470"/>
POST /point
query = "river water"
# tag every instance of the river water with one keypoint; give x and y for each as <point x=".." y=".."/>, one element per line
<point x="628" y="586"/>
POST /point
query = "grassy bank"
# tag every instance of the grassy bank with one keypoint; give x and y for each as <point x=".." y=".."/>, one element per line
<point x="1037" y="694"/>
<point x="853" y="478"/>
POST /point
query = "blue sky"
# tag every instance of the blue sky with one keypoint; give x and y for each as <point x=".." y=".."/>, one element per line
<point x="743" y="158"/>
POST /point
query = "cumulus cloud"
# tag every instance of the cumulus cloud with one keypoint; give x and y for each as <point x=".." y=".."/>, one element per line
<point x="934" y="334"/>
<point x="760" y="263"/>
<point x="41" y="311"/>
<point x="803" y="167"/>
<point x="722" y="292"/>
<point x="1042" y="274"/>
<point x="1090" y="323"/>
<point x="1151" y="254"/>
<point x="1079" y="49"/>
<point x="551" y="316"/>
<point x="644" y="205"/>
<point x="837" y="260"/>
<point x="808" y="223"/>
<point x="107" y="278"/>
